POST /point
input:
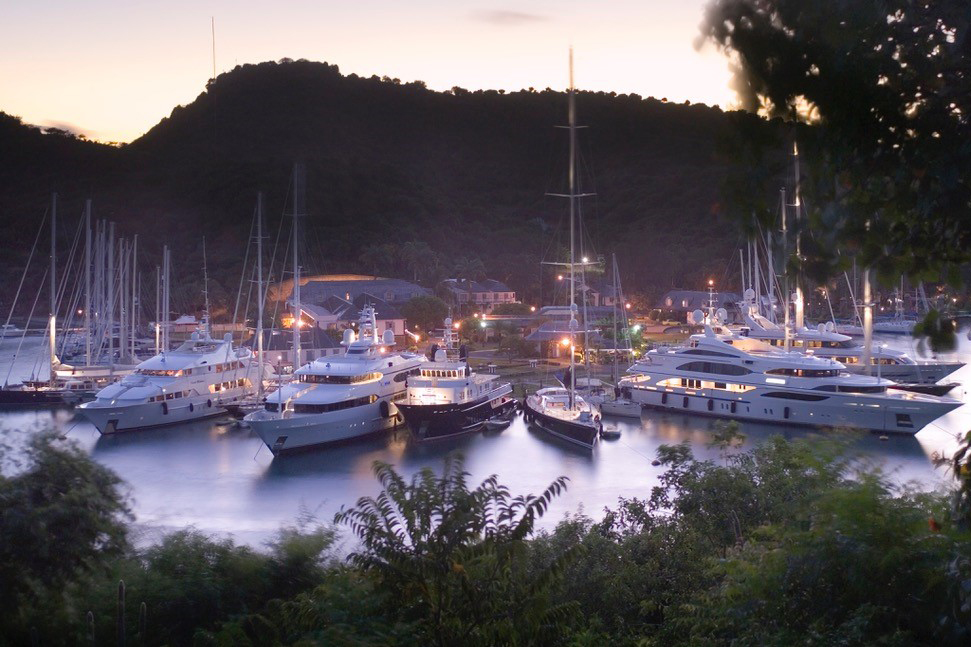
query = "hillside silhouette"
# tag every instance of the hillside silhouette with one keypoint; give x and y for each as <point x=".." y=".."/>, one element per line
<point x="466" y="172"/>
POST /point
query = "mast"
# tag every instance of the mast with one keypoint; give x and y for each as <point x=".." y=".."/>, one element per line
<point x="298" y="208"/>
<point x="613" y="370"/>
<point x="166" y="260"/>
<point x="111" y="292"/>
<point x="572" y="187"/>
<point x="259" y="292"/>
<point x="53" y="312"/>
<point x="158" y="325"/>
<point x="800" y="308"/>
<point x="87" y="282"/>
<point x="785" y="275"/>
<point x="205" y="291"/>
<point x="123" y="254"/>
<point x="134" y="292"/>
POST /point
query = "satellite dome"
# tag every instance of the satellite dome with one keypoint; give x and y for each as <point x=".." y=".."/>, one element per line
<point x="721" y="315"/>
<point x="821" y="327"/>
<point x="228" y="337"/>
<point x="348" y="336"/>
<point x="750" y="294"/>
<point x="440" y="355"/>
<point x="830" y="326"/>
<point x="389" y="337"/>
<point x="448" y="322"/>
<point x="195" y="335"/>
<point x="697" y="317"/>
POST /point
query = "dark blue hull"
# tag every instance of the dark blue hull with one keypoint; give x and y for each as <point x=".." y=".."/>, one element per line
<point x="433" y="421"/>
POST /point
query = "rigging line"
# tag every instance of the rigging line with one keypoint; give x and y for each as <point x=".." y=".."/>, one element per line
<point x="29" y="318"/>
<point x="276" y="245"/>
<point x="3" y="333"/>
<point x="242" y="275"/>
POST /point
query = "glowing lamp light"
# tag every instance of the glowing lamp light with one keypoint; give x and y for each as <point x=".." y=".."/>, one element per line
<point x="80" y="311"/>
<point x="627" y="306"/>
<point x="382" y="349"/>
<point x="584" y="259"/>
<point x="483" y="324"/>
<point x="532" y="308"/>
<point x="456" y="325"/>
<point x="565" y="341"/>
<point x="711" y="282"/>
<point x="559" y="277"/>
<point x="636" y="328"/>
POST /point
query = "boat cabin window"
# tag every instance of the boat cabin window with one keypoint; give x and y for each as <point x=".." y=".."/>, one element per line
<point x="849" y="388"/>
<point x="712" y="353"/>
<point x="803" y="372"/>
<point x="716" y="368"/>
<point x="404" y="375"/>
<point x="339" y="379"/>
<point x="333" y="406"/>
<point x="159" y="373"/>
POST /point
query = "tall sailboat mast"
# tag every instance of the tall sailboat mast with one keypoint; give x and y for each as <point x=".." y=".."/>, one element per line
<point x="53" y="315"/>
<point x="87" y="282"/>
<point x="260" y="296"/>
<point x="298" y="207"/>
<point x="573" y="197"/>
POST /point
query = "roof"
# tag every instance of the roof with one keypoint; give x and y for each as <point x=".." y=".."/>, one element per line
<point x="485" y="285"/>
<point x="695" y="300"/>
<point x="390" y="290"/>
<point x="310" y="337"/>
<point x="556" y="330"/>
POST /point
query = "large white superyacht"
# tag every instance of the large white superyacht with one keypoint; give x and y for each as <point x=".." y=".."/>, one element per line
<point x="196" y="380"/>
<point x="339" y="398"/>
<point x="736" y="377"/>
<point x="824" y="341"/>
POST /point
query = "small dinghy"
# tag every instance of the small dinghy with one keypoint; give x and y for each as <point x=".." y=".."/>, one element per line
<point x="500" y="422"/>
<point x="610" y="433"/>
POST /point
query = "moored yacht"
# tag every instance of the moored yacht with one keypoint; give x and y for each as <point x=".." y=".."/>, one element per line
<point x="339" y="398"/>
<point x="823" y="341"/>
<point x="737" y="377"/>
<point x="196" y="380"/>
<point x="446" y="398"/>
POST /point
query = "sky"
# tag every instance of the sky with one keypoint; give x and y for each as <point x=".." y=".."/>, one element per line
<point x="112" y="69"/>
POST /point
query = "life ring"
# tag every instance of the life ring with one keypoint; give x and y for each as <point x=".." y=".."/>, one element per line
<point x="384" y="408"/>
<point x="165" y="408"/>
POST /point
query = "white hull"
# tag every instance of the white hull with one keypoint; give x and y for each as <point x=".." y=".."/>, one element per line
<point x="293" y="431"/>
<point x="836" y="410"/>
<point x="145" y="415"/>
<point x="624" y="408"/>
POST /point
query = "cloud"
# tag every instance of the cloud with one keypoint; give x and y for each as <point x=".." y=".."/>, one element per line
<point x="68" y="127"/>
<point x="507" y="18"/>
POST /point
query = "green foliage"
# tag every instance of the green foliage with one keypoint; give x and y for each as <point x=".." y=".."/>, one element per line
<point x="881" y="83"/>
<point x="450" y="557"/>
<point x="937" y="332"/>
<point x="62" y="517"/>
<point x="519" y="309"/>
<point x="424" y="312"/>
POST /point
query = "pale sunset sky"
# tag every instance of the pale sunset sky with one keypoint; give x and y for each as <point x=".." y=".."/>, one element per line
<point x="111" y="69"/>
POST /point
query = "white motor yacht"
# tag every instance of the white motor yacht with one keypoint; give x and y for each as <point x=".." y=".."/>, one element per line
<point x="824" y="341"/>
<point x="196" y="380"/>
<point x="737" y="377"/>
<point x="339" y="398"/>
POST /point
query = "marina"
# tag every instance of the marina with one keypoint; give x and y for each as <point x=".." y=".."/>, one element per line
<point x="222" y="479"/>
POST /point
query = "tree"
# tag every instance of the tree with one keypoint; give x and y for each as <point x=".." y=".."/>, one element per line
<point x="450" y="556"/>
<point x="61" y="518"/>
<point x="469" y="269"/>
<point x="426" y="312"/>
<point x="884" y="85"/>
<point x="511" y="309"/>
<point x="415" y="255"/>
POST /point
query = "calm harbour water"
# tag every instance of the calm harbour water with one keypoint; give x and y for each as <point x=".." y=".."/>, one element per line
<point x="223" y="481"/>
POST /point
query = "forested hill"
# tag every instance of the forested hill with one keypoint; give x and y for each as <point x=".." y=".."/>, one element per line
<point x="466" y="172"/>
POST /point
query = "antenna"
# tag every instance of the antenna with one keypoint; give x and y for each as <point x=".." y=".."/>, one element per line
<point x="213" y="19"/>
<point x="205" y="288"/>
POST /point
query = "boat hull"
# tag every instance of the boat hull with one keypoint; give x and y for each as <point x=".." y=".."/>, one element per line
<point x="38" y="398"/>
<point x="432" y="422"/>
<point x="148" y="415"/>
<point x="584" y="435"/>
<point x="295" y="432"/>
<point x="842" y="410"/>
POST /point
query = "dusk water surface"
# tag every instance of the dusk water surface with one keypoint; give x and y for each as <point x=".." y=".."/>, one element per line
<point x="222" y="480"/>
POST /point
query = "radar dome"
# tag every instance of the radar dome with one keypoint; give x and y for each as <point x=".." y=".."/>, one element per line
<point x="830" y="326"/>
<point x="389" y="337"/>
<point x="721" y="315"/>
<point x="697" y="317"/>
<point x="348" y="336"/>
<point x="195" y="335"/>
<point x="448" y="322"/>
<point x="750" y="295"/>
<point x="821" y="327"/>
<point x="228" y="337"/>
<point x="440" y="355"/>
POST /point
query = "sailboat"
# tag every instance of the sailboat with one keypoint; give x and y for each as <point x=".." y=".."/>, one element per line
<point x="560" y="411"/>
<point x="621" y="404"/>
